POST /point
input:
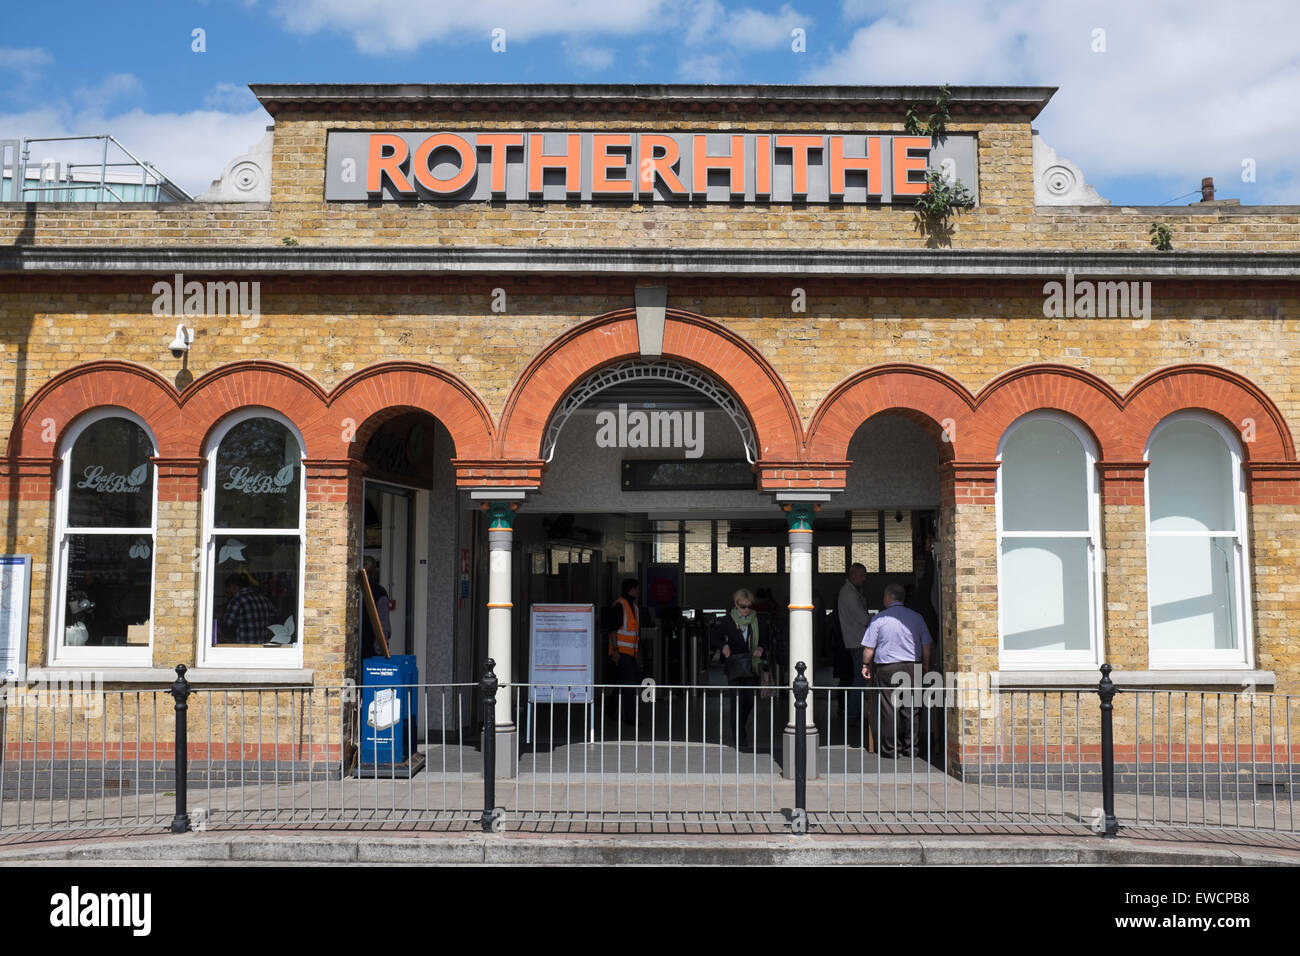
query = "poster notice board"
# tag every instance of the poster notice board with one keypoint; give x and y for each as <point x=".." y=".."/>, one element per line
<point x="561" y="653"/>
<point x="15" y="592"/>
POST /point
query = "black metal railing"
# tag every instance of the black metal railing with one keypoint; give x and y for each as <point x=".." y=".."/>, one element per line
<point x="957" y="755"/>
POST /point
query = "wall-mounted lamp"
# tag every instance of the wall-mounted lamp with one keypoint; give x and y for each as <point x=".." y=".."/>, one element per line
<point x="181" y="344"/>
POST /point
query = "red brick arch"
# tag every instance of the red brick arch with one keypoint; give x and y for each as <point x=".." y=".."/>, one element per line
<point x="181" y="422"/>
<point x="72" y="393"/>
<point x="926" y="396"/>
<point x="1227" y="395"/>
<point x="689" y="338"/>
<point x="372" y="395"/>
<point x="1075" y="392"/>
<point x="253" y="384"/>
<point x="1119" y="424"/>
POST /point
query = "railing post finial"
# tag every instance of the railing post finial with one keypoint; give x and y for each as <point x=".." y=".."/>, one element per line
<point x="1106" y="690"/>
<point x="180" y="691"/>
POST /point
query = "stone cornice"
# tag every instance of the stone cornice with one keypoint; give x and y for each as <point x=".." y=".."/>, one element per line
<point x="518" y="98"/>
<point x="269" y="260"/>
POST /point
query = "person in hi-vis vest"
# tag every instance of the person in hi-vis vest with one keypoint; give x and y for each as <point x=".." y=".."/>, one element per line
<point x="624" y="647"/>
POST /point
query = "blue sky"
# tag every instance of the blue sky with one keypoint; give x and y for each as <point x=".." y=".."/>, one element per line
<point x="1153" y="94"/>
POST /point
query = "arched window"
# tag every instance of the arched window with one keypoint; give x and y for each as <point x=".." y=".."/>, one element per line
<point x="104" y="597"/>
<point x="1047" y="545"/>
<point x="253" y="516"/>
<point x="1196" y="545"/>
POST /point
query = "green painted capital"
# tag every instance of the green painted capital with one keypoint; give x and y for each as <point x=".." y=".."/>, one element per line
<point x="501" y="514"/>
<point x="799" y="517"/>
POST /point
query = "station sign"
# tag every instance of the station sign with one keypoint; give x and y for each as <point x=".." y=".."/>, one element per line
<point x="640" y="166"/>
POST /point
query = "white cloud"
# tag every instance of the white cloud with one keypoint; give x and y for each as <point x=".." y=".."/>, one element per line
<point x="703" y="68"/>
<point x="710" y="23"/>
<point x="115" y="86"/>
<point x="24" y="68"/>
<point x="1183" y="89"/>
<point x="379" y="27"/>
<point x="25" y="60"/>
<point x="190" y="148"/>
<point x="590" y="58"/>
<point x="230" y="98"/>
<point x="750" y="29"/>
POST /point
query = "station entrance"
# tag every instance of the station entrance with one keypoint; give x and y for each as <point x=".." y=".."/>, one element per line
<point x="652" y="479"/>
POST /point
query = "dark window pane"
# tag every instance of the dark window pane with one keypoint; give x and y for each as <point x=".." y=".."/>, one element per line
<point x="110" y="480"/>
<point x="259" y="476"/>
<point x="255" y="589"/>
<point x="705" y="474"/>
<point x="108" y="589"/>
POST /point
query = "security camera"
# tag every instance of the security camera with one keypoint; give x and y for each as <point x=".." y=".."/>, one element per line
<point x="181" y="344"/>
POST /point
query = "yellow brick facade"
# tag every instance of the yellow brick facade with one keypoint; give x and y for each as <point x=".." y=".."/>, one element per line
<point x="971" y="329"/>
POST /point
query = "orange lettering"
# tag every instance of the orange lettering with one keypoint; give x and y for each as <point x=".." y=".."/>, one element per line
<point x="905" y="164"/>
<point x="390" y="165"/>
<point x="840" y="165"/>
<point x="570" y="161"/>
<point x="499" y="143"/>
<point x="602" y="163"/>
<point x="424" y="153"/>
<point x="762" y="166"/>
<point x="650" y="165"/>
<point x="734" y="164"/>
<point x="799" y="147"/>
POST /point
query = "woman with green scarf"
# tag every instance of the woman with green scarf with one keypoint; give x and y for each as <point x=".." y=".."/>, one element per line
<point x="746" y="652"/>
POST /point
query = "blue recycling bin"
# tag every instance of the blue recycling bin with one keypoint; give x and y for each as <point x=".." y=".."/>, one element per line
<point x="389" y="709"/>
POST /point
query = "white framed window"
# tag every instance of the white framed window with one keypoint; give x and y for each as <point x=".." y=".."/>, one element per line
<point x="254" y="514"/>
<point x="1197" y="569"/>
<point x="1049" y="583"/>
<point x="102" y="607"/>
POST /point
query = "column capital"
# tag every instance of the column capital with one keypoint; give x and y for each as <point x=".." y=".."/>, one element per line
<point x="799" y="516"/>
<point x="1273" y="482"/>
<point x="29" y="477"/>
<point x="501" y="514"/>
<point x="483" y="475"/>
<point x="1122" y="482"/>
<point x="825" y="477"/>
<point x="969" y="471"/>
<point x="179" y="479"/>
<point x="1117" y="470"/>
<point x="178" y="468"/>
<point x="968" y="482"/>
<point x="333" y="468"/>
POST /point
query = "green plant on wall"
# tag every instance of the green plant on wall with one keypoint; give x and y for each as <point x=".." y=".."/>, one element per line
<point x="936" y="123"/>
<point x="942" y="199"/>
<point x="1162" y="236"/>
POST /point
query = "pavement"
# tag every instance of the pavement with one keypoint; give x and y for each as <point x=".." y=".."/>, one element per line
<point x="468" y="848"/>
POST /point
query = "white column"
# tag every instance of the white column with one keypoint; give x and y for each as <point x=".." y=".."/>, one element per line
<point x="500" y="614"/>
<point x="801" y="630"/>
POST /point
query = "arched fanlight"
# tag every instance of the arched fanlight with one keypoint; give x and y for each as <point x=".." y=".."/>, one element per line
<point x="642" y="371"/>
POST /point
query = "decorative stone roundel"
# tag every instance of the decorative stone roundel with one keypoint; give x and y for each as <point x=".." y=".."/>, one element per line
<point x="246" y="176"/>
<point x="1059" y="180"/>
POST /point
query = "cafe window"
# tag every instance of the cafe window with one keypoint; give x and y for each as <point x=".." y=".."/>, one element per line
<point x="1196" y="545"/>
<point x="254" y="512"/>
<point x="106" y="543"/>
<point x="1047" y="544"/>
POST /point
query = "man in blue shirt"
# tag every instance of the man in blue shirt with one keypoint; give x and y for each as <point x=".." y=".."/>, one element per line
<point x="896" y="641"/>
